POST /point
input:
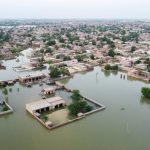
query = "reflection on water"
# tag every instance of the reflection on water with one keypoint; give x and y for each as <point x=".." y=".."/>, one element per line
<point x="107" y="73"/>
<point x="145" y="100"/>
<point x="111" y="129"/>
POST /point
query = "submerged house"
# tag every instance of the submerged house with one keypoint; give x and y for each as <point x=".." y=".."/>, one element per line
<point x="48" y="91"/>
<point x="33" y="78"/>
<point x="45" y="105"/>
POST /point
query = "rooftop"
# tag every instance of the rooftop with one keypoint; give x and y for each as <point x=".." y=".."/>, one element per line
<point x="33" y="106"/>
<point x="32" y="75"/>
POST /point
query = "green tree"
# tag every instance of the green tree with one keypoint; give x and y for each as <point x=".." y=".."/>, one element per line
<point x="64" y="71"/>
<point x="5" y="108"/>
<point x="133" y="48"/>
<point x="66" y="58"/>
<point x="62" y="40"/>
<point x="111" y="53"/>
<point x="146" y="92"/>
<point x="51" y="42"/>
<point x="54" y="72"/>
<point x="78" y="105"/>
<point x="76" y="95"/>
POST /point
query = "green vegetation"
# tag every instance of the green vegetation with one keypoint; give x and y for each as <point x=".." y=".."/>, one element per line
<point x="111" y="53"/>
<point x="146" y="92"/>
<point x="108" y="41"/>
<point x="138" y="62"/>
<point x="4" y="37"/>
<point x="16" y="50"/>
<point x="133" y="36"/>
<point x="64" y="71"/>
<point x="51" y="42"/>
<point x="44" y="117"/>
<point x="60" y="56"/>
<point x="76" y="95"/>
<point x="109" y="67"/>
<point x="54" y="72"/>
<point x="133" y="48"/>
<point x="48" y="50"/>
<point x="62" y="40"/>
<point x="78" y="105"/>
<point x="5" y="108"/>
<point x="66" y="58"/>
<point x="80" y="57"/>
<point x="57" y="72"/>
<point x="147" y="61"/>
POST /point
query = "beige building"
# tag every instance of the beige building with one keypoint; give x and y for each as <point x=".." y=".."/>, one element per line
<point x="33" y="78"/>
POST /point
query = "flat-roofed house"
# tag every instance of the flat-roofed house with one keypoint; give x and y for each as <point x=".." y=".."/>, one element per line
<point x="36" y="77"/>
<point x="45" y="105"/>
<point x="48" y="91"/>
<point x="38" y="106"/>
<point x="56" y="102"/>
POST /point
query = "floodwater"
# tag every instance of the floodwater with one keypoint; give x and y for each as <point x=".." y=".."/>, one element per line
<point x="10" y="74"/>
<point x="124" y="125"/>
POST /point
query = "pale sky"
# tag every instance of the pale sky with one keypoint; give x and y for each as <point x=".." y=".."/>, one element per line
<point x="101" y="9"/>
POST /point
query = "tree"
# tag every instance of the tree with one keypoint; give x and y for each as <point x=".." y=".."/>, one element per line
<point x="66" y="58"/>
<point x="49" y="50"/>
<point x="51" y="42"/>
<point x="138" y="62"/>
<point x="5" y="108"/>
<point x="133" y="48"/>
<point x="50" y="62"/>
<point x="78" y="105"/>
<point x="76" y="95"/>
<point x="146" y="92"/>
<point x="64" y="71"/>
<point x="62" y="40"/>
<point x="80" y="57"/>
<point x="147" y="61"/>
<point x="107" y="67"/>
<point x="57" y="72"/>
<point x="111" y="53"/>
<point x="54" y="72"/>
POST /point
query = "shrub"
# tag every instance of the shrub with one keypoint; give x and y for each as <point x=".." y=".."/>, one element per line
<point x="146" y="92"/>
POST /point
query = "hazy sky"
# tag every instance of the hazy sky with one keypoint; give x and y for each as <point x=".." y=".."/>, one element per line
<point x="126" y="9"/>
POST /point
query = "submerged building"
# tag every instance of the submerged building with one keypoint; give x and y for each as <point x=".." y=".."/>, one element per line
<point x="45" y="105"/>
<point x="32" y="78"/>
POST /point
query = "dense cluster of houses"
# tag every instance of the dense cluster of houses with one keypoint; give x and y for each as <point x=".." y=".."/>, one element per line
<point x="79" y="45"/>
